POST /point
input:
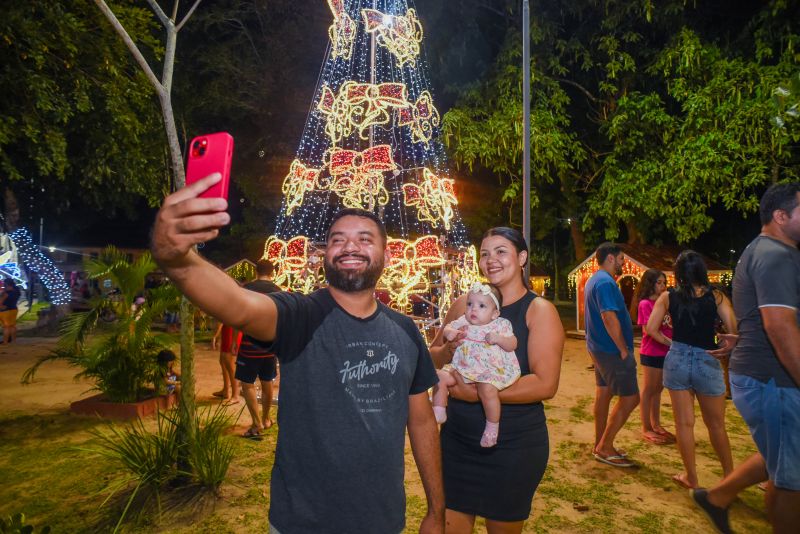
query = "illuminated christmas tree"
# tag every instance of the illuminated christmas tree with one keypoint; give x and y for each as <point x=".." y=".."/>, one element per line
<point x="371" y="141"/>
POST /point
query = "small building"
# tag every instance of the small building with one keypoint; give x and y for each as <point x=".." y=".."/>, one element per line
<point x="242" y="270"/>
<point x="638" y="258"/>
<point x="539" y="280"/>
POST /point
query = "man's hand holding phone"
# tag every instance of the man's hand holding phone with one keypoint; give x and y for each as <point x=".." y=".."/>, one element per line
<point x="185" y="220"/>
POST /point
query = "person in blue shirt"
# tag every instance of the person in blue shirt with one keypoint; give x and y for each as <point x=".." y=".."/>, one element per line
<point x="8" y="309"/>
<point x="609" y="339"/>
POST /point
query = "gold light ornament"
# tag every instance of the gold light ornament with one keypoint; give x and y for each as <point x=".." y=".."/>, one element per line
<point x="400" y="34"/>
<point x="407" y="273"/>
<point x="434" y="199"/>
<point x="421" y="116"/>
<point x="357" y="177"/>
<point x="342" y="32"/>
<point x="359" y="106"/>
<point x="299" y="180"/>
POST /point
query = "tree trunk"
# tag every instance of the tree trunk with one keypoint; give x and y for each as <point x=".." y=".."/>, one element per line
<point x="578" y="239"/>
<point x="634" y="235"/>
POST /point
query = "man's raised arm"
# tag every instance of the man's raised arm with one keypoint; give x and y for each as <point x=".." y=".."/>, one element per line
<point x="184" y="221"/>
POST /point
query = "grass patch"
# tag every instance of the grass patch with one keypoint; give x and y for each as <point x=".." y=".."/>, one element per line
<point x="579" y="412"/>
<point x="31" y="315"/>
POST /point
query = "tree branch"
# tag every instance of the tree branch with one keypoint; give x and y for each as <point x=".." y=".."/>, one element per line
<point x="189" y="14"/>
<point x="581" y="88"/>
<point x="130" y="44"/>
<point x="159" y="12"/>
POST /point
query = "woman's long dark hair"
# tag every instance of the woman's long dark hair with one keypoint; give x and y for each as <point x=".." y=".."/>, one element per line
<point x="645" y="289"/>
<point x="690" y="271"/>
<point x="516" y="239"/>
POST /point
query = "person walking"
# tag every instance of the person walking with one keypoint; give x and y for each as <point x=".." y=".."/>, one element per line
<point x="355" y="374"/>
<point x="499" y="483"/>
<point x="691" y="367"/>
<point x="765" y="365"/>
<point x="609" y="339"/>
<point x="228" y="341"/>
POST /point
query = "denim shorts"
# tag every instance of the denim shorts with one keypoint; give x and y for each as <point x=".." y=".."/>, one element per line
<point x="690" y="367"/>
<point x="619" y="375"/>
<point x="773" y="416"/>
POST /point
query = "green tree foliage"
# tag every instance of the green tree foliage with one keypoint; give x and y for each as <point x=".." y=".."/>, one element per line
<point x="669" y="105"/>
<point x="78" y="119"/>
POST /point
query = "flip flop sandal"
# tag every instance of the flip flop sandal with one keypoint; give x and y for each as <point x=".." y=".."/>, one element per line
<point x="658" y="439"/>
<point x="252" y="433"/>
<point x="669" y="436"/>
<point x="610" y="460"/>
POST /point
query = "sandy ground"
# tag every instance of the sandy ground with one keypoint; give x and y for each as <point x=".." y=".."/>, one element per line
<point x="575" y="491"/>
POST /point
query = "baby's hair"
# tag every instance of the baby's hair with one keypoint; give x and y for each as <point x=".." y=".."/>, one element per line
<point x="495" y="292"/>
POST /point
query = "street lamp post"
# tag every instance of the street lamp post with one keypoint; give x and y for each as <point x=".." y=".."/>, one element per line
<point x="526" y="142"/>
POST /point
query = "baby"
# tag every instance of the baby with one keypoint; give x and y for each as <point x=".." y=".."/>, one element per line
<point x="485" y="356"/>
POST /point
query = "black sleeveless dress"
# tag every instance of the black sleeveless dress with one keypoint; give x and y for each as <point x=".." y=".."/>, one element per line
<point x="496" y="483"/>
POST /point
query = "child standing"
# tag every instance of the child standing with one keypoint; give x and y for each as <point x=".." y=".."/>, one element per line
<point x="485" y="356"/>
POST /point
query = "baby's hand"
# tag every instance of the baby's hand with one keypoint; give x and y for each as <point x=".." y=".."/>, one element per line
<point x="491" y="338"/>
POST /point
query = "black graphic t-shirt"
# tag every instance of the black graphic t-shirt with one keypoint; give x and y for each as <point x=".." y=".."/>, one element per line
<point x="345" y="383"/>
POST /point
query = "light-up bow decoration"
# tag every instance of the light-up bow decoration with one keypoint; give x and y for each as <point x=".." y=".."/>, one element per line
<point x="407" y="273"/>
<point x="434" y="199"/>
<point x="288" y="257"/>
<point x="422" y="117"/>
<point x="357" y="177"/>
<point x="342" y="32"/>
<point x="299" y="180"/>
<point x="358" y="106"/>
<point x="400" y="34"/>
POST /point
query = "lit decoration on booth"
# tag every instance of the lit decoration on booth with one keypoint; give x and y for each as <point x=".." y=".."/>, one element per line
<point x="243" y="270"/>
<point x="289" y="257"/>
<point x="434" y="199"/>
<point x="359" y="106"/>
<point x="342" y="32"/>
<point x="400" y="34"/>
<point x="407" y="274"/>
<point x="357" y="177"/>
<point x="299" y="180"/>
<point x="43" y="266"/>
<point x="422" y="117"/>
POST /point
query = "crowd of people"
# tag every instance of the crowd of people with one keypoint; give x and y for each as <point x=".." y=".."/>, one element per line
<point x="355" y="374"/>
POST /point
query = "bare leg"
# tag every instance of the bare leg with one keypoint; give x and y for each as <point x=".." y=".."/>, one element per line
<point x="504" y="527"/>
<point x="713" y="410"/>
<point x="650" y="394"/>
<point x="230" y="366"/>
<point x="440" y="390"/>
<point x="490" y="398"/>
<point x="266" y="403"/>
<point x="748" y="473"/>
<point x="458" y="522"/>
<point x="602" y="403"/>
<point x="249" y="393"/>
<point x="683" y="408"/>
<point x="619" y="415"/>
<point x="226" y="377"/>
<point x="783" y="507"/>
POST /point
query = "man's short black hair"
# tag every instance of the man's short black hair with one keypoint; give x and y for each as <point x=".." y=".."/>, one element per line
<point x="264" y="268"/>
<point x="358" y="212"/>
<point x="778" y="197"/>
<point x="604" y="250"/>
<point x="165" y="356"/>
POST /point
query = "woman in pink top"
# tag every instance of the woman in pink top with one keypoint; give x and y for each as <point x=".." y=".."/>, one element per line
<point x="652" y="353"/>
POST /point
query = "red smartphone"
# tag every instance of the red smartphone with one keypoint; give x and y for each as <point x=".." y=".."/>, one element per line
<point x="209" y="154"/>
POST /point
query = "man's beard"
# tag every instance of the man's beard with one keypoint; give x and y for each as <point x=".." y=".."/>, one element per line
<point x="352" y="281"/>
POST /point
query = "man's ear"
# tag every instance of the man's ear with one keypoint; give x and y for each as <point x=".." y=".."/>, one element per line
<point x="387" y="257"/>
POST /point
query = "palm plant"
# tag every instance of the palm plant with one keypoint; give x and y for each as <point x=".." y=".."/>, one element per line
<point x="119" y="356"/>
